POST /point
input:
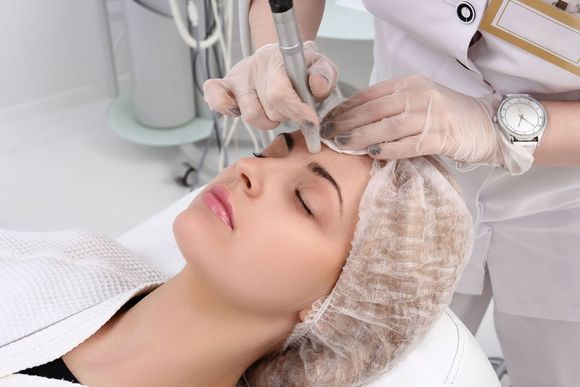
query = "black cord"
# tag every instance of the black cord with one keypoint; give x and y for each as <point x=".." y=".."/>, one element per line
<point x="210" y="24"/>
<point x="218" y="61"/>
<point x="194" y="59"/>
<point x="208" y="14"/>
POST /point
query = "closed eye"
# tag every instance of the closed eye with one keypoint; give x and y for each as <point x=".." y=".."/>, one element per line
<point x="303" y="203"/>
<point x="296" y="191"/>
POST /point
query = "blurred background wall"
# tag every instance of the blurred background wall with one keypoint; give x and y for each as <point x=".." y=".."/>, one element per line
<point x="57" y="53"/>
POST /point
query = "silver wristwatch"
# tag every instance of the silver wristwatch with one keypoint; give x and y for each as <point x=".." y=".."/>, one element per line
<point x="523" y="120"/>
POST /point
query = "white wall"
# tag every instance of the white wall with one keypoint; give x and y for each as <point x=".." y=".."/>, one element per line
<point x="354" y="60"/>
<point x="52" y="54"/>
<point x="119" y="44"/>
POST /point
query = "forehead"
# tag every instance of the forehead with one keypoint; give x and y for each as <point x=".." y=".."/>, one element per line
<point x="351" y="172"/>
<point x="325" y="153"/>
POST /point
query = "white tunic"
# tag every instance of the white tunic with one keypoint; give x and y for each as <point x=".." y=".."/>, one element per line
<point x="56" y="290"/>
<point x="533" y="273"/>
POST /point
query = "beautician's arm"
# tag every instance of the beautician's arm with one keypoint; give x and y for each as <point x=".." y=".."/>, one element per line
<point x="308" y="13"/>
<point x="257" y="87"/>
<point x="560" y="145"/>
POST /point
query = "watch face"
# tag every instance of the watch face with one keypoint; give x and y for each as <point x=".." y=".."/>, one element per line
<point x="522" y="116"/>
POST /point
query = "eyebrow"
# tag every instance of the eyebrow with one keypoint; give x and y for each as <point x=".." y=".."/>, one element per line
<point x="319" y="170"/>
<point x="316" y="168"/>
<point x="289" y="141"/>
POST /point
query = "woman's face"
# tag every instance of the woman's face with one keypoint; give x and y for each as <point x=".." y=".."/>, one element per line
<point x="272" y="233"/>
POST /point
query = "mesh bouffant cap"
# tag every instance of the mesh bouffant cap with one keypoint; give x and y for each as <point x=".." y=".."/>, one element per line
<point x="413" y="236"/>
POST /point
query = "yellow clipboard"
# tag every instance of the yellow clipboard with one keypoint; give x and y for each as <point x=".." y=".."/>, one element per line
<point x="538" y="28"/>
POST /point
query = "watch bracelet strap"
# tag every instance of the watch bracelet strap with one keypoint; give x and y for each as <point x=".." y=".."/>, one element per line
<point x="517" y="156"/>
<point x="530" y="146"/>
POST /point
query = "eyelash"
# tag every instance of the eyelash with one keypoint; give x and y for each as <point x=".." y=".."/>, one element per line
<point x="299" y="197"/>
<point x="296" y="191"/>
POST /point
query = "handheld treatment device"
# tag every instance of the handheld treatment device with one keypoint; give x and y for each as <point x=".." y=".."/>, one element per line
<point x="294" y="61"/>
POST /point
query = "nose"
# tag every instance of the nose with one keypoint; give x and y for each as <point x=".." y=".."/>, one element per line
<point x="250" y="174"/>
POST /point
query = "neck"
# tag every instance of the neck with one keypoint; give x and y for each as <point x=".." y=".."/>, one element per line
<point x="180" y="334"/>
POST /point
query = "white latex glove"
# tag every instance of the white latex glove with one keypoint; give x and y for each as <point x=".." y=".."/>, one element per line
<point x="258" y="88"/>
<point x="414" y="116"/>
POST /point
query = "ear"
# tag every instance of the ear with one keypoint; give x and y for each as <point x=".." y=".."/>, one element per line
<point x="302" y="314"/>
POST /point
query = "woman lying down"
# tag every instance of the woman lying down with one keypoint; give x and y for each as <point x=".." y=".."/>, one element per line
<point x="301" y="270"/>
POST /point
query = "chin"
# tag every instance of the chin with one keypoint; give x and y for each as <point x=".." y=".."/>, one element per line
<point x="195" y="235"/>
<point x="189" y="232"/>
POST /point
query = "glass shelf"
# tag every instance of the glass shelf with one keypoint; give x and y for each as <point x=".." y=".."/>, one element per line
<point x="122" y="121"/>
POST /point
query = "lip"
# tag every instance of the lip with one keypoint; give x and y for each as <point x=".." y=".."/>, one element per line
<point x="218" y="200"/>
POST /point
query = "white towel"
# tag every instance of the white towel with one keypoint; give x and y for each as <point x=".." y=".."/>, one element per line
<point x="57" y="289"/>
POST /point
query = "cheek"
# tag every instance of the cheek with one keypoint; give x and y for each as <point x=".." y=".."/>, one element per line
<point x="286" y="266"/>
<point x="271" y="264"/>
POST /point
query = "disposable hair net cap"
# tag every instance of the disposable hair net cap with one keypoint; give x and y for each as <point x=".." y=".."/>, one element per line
<point x="413" y="236"/>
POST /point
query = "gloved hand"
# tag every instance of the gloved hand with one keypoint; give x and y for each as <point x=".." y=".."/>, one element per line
<point x="414" y="116"/>
<point x="258" y="88"/>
